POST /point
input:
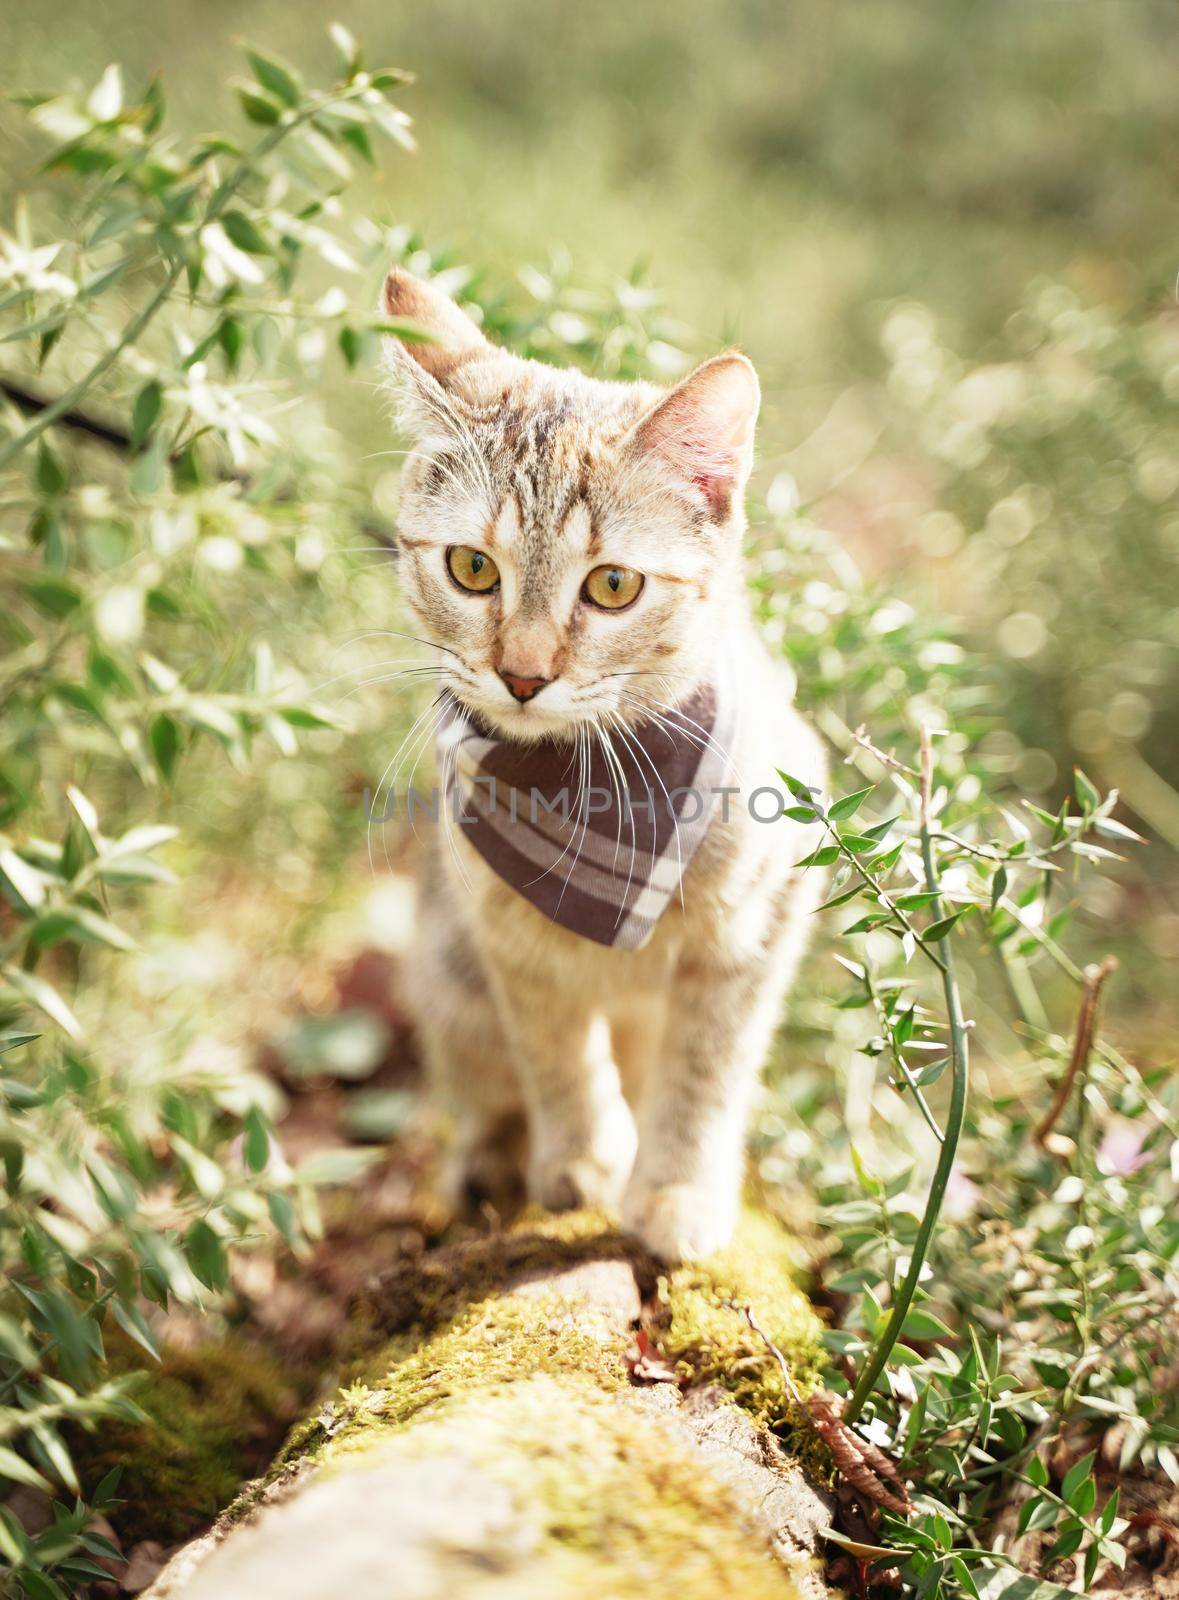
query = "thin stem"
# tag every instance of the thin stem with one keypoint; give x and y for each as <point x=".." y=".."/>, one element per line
<point x="894" y="1051"/>
<point x="219" y="200"/>
<point x="1094" y="980"/>
<point x="67" y="401"/>
<point x="959" y="1067"/>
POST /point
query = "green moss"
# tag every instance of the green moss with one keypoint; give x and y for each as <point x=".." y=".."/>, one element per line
<point x="462" y="1338"/>
<point x="215" y="1414"/>
<point x="495" y="1341"/>
<point x="614" y="1501"/>
<point x="707" y="1335"/>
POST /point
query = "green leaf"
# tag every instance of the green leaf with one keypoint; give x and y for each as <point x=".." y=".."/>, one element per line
<point x="1035" y="1514"/>
<point x="145" y="413"/>
<point x="849" y="804"/>
<point x="15" y="1041"/>
<point x="915" y="899"/>
<point x="941" y="929"/>
<point x="147" y="475"/>
<point x="1088" y="796"/>
<point x="1037" y="1471"/>
<point x="135" y="1325"/>
<point x="1008" y="1583"/>
<point x="45" y="997"/>
<point x="106" y="98"/>
<point x="346" y="45"/>
<point x="281" y="80"/>
<point x="54" y="596"/>
<point x="51" y="476"/>
<point x="1113" y="829"/>
<point x="307" y="717"/>
<point x="842" y="899"/>
<point x="164" y="738"/>
<point x="1053" y="1369"/>
<point x="260" y="108"/>
<point x="79" y="922"/>
<point x="1084" y="1499"/>
<point x="1076" y="1476"/>
<point x="931" y="1073"/>
<point x="350" y="346"/>
<point x="798" y="789"/>
<point x="1067" y="1545"/>
<point x="820" y="858"/>
<point x="244" y="234"/>
<point x="20" y="884"/>
<point x="1109" y="1511"/>
<point x="256" y="1140"/>
<point x="921" y="1324"/>
<point x="17" y="1470"/>
<point x="205" y="1253"/>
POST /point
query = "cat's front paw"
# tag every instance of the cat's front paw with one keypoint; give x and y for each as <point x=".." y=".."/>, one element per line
<point x="567" y="1183"/>
<point x="679" y="1221"/>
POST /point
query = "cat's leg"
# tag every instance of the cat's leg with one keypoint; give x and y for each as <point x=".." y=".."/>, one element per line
<point x="467" y="1060"/>
<point x="473" y="1083"/>
<point x="684" y="1193"/>
<point x="636" y="1036"/>
<point x="581" y="1133"/>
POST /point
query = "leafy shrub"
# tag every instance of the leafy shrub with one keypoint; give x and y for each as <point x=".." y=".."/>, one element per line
<point x="1003" y="1263"/>
<point x="157" y="499"/>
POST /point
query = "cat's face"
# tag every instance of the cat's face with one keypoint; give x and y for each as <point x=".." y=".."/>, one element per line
<point x="570" y="546"/>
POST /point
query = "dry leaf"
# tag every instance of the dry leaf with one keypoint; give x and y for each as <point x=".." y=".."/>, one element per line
<point x="863" y="1465"/>
<point x="645" y="1364"/>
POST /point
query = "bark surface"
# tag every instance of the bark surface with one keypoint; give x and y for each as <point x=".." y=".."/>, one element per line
<point x="541" y="1414"/>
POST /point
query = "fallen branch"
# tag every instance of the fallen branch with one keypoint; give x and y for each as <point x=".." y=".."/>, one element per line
<point x="501" y="1446"/>
<point x="1093" y="980"/>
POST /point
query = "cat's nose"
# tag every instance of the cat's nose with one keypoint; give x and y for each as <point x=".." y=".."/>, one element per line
<point x="522" y="688"/>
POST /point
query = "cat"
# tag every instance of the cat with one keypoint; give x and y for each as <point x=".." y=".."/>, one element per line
<point x="572" y="550"/>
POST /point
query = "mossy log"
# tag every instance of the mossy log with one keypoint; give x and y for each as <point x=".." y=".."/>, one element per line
<point x="498" y="1442"/>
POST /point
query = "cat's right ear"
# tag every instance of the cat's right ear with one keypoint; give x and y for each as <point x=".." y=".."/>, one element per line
<point x="423" y="368"/>
<point x="449" y="337"/>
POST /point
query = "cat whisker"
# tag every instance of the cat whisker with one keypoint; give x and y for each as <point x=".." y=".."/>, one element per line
<point x="584" y="826"/>
<point x="390" y="677"/>
<point x="620" y="784"/>
<point x="630" y="744"/>
<point x="394" y="633"/>
<point x="366" y="666"/>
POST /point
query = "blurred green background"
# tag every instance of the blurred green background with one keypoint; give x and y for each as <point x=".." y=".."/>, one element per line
<point x="946" y="234"/>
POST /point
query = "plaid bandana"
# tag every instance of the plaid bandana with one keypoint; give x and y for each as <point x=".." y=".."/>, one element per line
<point x="599" y="843"/>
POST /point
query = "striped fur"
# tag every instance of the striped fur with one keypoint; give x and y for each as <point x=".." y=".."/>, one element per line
<point x="634" y="1070"/>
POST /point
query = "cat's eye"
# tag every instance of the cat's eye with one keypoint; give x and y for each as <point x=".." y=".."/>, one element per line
<point x="613" y="588"/>
<point x="472" y="569"/>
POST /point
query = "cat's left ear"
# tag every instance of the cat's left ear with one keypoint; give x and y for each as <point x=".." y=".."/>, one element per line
<point x="703" y="430"/>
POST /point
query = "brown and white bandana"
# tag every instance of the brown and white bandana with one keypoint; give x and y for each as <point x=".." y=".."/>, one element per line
<point x="598" y="843"/>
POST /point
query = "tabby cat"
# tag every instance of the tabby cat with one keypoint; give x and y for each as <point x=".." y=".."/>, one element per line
<point x="608" y="979"/>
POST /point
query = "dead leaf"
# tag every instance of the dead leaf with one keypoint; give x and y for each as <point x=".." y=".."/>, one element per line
<point x="863" y="1465"/>
<point x="645" y="1364"/>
